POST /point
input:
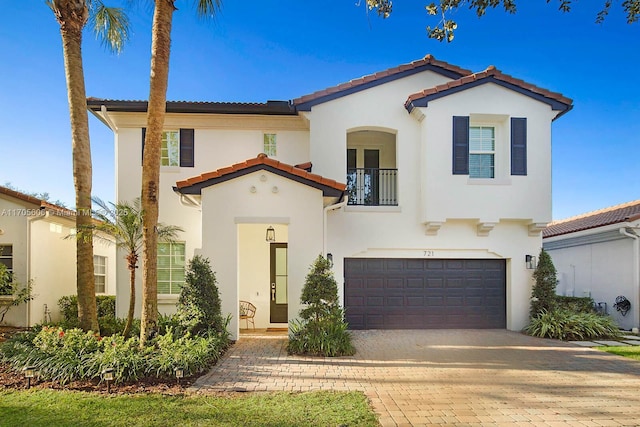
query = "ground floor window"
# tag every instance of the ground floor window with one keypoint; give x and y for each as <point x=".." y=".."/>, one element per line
<point x="100" y="273"/>
<point x="6" y="257"/>
<point x="171" y="261"/>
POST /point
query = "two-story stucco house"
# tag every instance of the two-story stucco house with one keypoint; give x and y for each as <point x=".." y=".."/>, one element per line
<point x="34" y="246"/>
<point x="427" y="184"/>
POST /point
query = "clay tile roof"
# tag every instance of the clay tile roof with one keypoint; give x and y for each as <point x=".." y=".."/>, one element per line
<point x="445" y="68"/>
<point x="612" y="215"/>
<point x="42" y="204"/>
<point x="262" y="161"/>
<point x="496" y="75"/>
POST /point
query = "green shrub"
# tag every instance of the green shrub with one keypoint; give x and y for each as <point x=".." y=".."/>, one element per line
<point x="568" y="325"/>
<point x="543" y="294"/>
<point x="325" y="338"/>
<point x="105" y="304"/>
<point x="68" y="355"/>
<point x="322" y="330"/>
<point x="199" y="304"/>
<point x="576" y="304"/>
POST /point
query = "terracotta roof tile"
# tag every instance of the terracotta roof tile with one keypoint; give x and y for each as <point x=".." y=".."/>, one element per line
<point x="427" y="60"/>
<point x="263" y="159"/>
<point x="612" y="215"/>
<point x="491" y="71"/>
<point x="43" y="204"/>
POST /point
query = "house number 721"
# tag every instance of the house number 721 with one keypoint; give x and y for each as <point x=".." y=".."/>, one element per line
<point x="429" y="253"/>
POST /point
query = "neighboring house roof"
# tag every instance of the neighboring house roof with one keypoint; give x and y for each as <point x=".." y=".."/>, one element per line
<point x="429" y="62"/>
<point x="612" y="215"/>
<point x="42" y="204"/>
<point x="266" y="108"/>
<point x="195" y="185"/>
<point x="491" y="75"/>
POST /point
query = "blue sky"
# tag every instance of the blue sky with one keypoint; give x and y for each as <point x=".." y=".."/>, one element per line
<point x="258" y="51"/>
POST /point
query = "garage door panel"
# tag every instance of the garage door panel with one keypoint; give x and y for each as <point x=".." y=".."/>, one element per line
<point x="395" y="283"/>
<point x="425" y="293"/>
<point x="375" y="301"/>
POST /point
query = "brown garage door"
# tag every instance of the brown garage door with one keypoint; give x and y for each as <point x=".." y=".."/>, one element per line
<point x="388" y="293"/>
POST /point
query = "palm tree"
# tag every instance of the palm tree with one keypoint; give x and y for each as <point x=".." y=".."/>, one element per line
<point x="111" y="26"/>
<point x="123" y="221"/>
<point x="160" y="50"/>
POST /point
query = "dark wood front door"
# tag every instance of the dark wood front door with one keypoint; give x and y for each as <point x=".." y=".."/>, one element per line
<point x="278" y="283"/>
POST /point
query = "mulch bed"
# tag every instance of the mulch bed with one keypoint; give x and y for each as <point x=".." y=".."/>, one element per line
<point x="10" y="379"/>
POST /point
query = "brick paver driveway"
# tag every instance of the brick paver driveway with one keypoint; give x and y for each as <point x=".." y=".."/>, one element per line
<point x="454" y="377"/>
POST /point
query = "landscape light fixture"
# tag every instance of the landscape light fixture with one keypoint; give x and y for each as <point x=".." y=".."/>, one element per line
<point x="330" y="259"/>
<point x="179" y="371"/>
<point x="271" y="234"/>
<point x="530" y="260"/>
<point x="107" y="375"/>
<point x="29" y="372"/>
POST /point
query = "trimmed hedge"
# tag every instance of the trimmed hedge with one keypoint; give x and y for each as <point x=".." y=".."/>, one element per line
<point x="576" y="304"/>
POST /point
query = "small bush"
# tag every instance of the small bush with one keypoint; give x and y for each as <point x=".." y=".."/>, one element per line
<point x="568" y="325"/>
<point x="543" y="294"/>
<point x="105" y="304"/>
<point x="199" y="304"/>
<point x="322" y="330"/>
<point x="576" y="304"/>
<point x="326" y="338"/>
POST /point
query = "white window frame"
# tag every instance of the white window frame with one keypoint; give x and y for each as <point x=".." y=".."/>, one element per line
<point x="174" y="266"/>
<point x="169" y="157"/>
<point x="270" y="144"/>
<point x="483" y="152"/>
<point x="96" y="273"/>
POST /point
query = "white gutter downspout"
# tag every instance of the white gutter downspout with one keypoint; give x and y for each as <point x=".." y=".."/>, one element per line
<point x="30" y="222"/>
<point x="324" y="221"/>
<point x="629" y="232"/>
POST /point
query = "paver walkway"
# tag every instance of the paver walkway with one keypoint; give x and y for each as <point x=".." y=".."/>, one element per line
<point x="449" y="377"/>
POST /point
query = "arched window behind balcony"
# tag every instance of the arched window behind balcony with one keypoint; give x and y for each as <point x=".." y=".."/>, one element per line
<point x="371" y="168"/>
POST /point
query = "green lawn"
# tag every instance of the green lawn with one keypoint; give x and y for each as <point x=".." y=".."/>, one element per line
<point x="64" y="408"/>
<point x="632" y="352"/>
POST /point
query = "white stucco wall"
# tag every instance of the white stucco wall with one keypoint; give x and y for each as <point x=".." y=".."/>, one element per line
<point x="446" y="196"/>
<point x="219" y="141"/>
<point x="43" y="255"/>
<point x="53" y="267"/>
<point x="14" y="223"/>
<point x="295" y="205"/>
<point x="601" y="270"/>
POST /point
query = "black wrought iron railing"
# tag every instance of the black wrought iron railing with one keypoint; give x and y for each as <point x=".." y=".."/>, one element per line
<point x="372" y="187"/>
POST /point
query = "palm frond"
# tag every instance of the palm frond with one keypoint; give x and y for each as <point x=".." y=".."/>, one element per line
<point x="208" y="8"/>
<point x="111" y="25"/>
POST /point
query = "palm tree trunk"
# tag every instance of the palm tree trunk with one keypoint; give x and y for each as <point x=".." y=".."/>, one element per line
<point x="160" y="49"/>
<point x="72" y="16"/>
<point x="133" y="261"/>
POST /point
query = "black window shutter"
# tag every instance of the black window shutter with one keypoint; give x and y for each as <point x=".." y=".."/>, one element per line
<point x="460" y="145"/>
<point x="518" y="146"/>
<point x="186" y="148"/>
<point x="144" y="133"/>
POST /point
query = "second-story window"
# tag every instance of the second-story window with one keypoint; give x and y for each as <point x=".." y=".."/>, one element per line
<point x="482" y="151"/>
<point x="170" y="154"/>
<point x="269" y="145"/>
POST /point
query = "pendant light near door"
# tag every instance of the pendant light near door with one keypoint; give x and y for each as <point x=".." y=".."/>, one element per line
<point x="271" y="234"/>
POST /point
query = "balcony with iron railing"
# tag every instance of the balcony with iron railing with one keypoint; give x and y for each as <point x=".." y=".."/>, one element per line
<point x="372" y="187"/>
